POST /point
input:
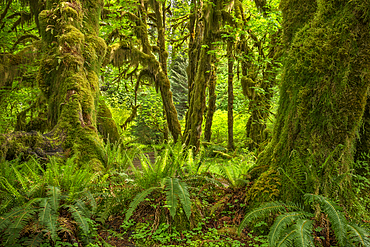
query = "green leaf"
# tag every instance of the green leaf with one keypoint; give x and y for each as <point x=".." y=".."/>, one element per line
<point x="357" y="235"/>
<point x="304" y="233"/>
<point x="336" y="217"/>
<point x="80" y="218"/>
<point x="183" y="194"/>
<point x="281" y="223"/>
<point x="138" y="198"/>
<point x="171" y="196"/>
<point x="265" y="211"/>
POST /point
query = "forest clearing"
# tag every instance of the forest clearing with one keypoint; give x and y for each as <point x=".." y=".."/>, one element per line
<point x="185" y="123"/>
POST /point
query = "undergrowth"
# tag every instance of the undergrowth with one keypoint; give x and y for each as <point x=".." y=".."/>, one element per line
<point x="174" y="199"/>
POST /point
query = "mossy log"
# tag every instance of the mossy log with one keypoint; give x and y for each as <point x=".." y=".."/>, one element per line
<point x="324" y="89"/>
<point x="24" y="144"/>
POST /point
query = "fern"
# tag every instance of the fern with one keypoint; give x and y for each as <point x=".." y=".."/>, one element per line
<point x="171" y="196"/>
<point x="300" y="233"/>
<point x="304" y="233"/>
<point x="337" y="219"/>
<point x="281" y="223"/>
<point x="177" y="190"/>
<point x="54" y="197"/>
<point x="288" y="238"/>
<point x="35" y="241"/>
<point x="80" y="218"/>
<point x="16" y="220"/>
<point x="357" y="235"/>
<point x="265" y="210"/>
<point x="48" y="218"/>
<point x="138" y="198"/>
<point x="183" y="193"/>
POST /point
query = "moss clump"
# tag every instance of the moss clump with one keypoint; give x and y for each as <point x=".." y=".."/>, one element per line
<point x="266" y="188"/>
<point x="72" y="37"/>
<point x="106" y="125"/>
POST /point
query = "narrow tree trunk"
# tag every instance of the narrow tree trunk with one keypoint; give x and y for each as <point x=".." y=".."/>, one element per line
<point x="230" y="96"/>
<point x="197" y="103"/>
<point x="211" y="105"/>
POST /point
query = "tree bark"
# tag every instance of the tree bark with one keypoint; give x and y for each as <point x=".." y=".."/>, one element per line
<point x="197" y="90"/>
<point x="322" y="101"/>
<point x="230" y="96"/>
<point x="68" y="76"/>
<point x="211" y="105"/>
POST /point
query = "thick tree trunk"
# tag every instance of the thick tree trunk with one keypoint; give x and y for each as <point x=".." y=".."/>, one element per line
<point x="68" y="75"/>
<point x="322" y="100"/>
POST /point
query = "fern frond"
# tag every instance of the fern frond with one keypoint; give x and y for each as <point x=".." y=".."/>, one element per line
<point x="80" y="218"/>
<point x="336" y="217"/>
<point x="45" y="211"/>
<point x="6" y="185"/>
<point x="171" y="197"/>
<point x="35" y="241"/>
<point x="82" y="207"/>
<point x="288" y="238"/>
<point x="181" y="189"/>
<point x="358" y="236"/>
<point x="92" y="202"/>
<point x="228" y="173"/>
<point x="54" y="197"/>
<point x="22" y="180"/>
<point x="304" y="233"/>
<point x="16" y="220"/>
<point x="265" y="210"/>
<point x="138" y="198"/>
<point x="281" y="223"/>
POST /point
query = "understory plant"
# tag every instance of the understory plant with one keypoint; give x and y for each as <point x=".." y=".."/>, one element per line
<point x="45" y="202"/>
<point x="294" y="225"/>
<point x="164" y="176"/>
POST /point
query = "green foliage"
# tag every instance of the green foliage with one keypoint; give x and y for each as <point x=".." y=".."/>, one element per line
<point x="293" y="226"/>
<point x="235" y="171"/>
<point x="40" y="196"/>
<point x="179" y="85"/>
<point x="150" y="122"/>
<point x="175" y="190"/>
<point x="219" y="128"/>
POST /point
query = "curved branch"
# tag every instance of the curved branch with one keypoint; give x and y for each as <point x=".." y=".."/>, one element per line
<point x="2" y="16"/>
<point x="22" y="38"/>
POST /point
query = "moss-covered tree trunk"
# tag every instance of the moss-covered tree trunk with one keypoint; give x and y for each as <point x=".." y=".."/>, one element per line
<point x="197" y="91"/>
<point x="323" y="95"/>
<point x="68" y="75"/>
<point x="165" y="87"/>
<point x="230" y="96"/>
<point x="154" y="68"/>
<point x="195" y="41"/>
<point x="260" y="100"/>
<point x="211" y="104"/>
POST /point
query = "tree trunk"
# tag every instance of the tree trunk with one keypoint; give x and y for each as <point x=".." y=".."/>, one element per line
<point x="322" y="101"/>
<point x="197" y="90"/>
<point x="211" y="105"/>
<point x="68" y="75"/>
<point x="230" y="96"/>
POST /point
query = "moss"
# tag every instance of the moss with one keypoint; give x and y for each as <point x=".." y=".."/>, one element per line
<point x="322" y="97"/>
<point x="71" y="37"/>
<point x="106" y="125"/>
